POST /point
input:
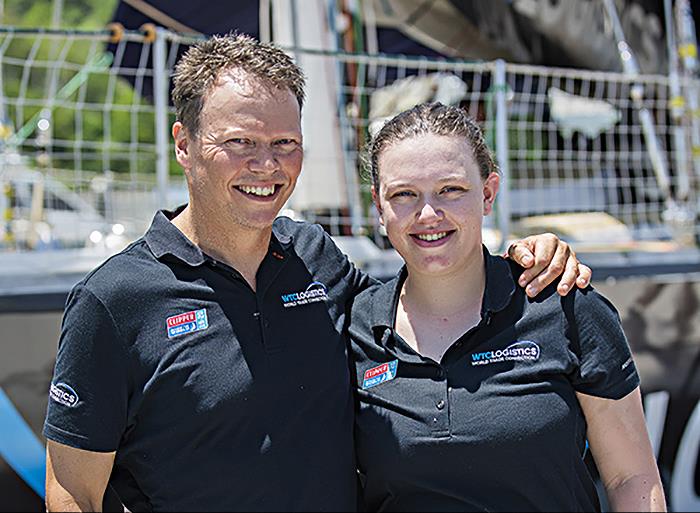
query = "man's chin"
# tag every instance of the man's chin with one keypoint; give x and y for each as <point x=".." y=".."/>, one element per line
<point x="258" y="221"/>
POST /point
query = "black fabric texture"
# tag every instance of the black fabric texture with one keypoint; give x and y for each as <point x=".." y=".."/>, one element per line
<point x="495" y="425"/>
<point x="248" y="410"/>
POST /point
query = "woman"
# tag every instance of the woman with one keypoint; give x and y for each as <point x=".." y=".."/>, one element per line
<point x="472" y="396"/>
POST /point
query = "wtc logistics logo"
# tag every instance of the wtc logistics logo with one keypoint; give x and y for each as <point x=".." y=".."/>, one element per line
<point x="314" y="293"/>
<point x="522" y="351"/>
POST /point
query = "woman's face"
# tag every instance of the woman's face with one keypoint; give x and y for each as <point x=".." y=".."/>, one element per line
<point x="432" y="200"/>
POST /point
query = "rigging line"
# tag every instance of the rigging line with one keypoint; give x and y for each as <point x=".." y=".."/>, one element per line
<point x="161" y="18"/>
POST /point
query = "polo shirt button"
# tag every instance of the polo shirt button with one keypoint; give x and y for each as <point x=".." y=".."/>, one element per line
<point x="440" y="404"/>
<point x="435" y="420"/>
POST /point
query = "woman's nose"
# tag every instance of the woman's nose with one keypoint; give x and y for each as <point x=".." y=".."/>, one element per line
<point x="429" y="213"/>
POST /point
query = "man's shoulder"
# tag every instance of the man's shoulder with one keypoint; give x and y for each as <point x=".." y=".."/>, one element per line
<point x="373" y="305"/>
<point x="309" y="240"/>
<point x="288" y="227"/>
<point x="126" y="272"/>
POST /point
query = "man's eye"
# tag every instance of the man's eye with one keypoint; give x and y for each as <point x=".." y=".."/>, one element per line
<point x="452" y="188"/>
<point x="240" y="141"/>
<point x="286" y="144"/>
<point x="402" y="194"/>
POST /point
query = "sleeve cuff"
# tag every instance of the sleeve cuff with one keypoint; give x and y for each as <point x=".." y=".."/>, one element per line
<point x="613" y="391"/>
<point x="76" y="441"/>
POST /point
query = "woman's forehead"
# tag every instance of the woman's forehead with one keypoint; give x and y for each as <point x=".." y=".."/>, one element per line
<point x="429" y="143"/>
<point x="426" y="155"/>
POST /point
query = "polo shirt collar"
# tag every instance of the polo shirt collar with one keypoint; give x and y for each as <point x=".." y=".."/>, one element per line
<point x="499" y="289"/>
<point x="164" y="238"/>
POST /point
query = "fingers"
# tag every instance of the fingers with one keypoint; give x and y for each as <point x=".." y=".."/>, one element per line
<point x="550" y="263"/>
<point x="521" y="253"/>
<point x="584" y="276"/>
<point x="571" y="272"/>
<point x="552" y="258"/>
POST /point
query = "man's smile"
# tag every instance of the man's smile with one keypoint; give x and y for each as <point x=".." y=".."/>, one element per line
<point x="259" y="192"/>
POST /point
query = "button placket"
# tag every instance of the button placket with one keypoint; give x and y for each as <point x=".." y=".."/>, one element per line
<point x="439" y="421"/>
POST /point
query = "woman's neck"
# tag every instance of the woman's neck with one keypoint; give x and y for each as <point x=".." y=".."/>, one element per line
<point x="435" y="311"/>
<point x="447" y="295"/>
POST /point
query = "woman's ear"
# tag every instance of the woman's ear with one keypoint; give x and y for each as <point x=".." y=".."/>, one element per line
<point x="375" y="200"/>
<point x="491" y="185"/>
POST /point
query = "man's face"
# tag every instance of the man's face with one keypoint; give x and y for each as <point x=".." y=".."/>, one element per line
<point x="244" y="162"/>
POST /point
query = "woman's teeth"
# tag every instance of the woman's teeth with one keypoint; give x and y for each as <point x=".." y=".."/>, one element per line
<point x="258" y="191"/>
<point x="432" y="236"/>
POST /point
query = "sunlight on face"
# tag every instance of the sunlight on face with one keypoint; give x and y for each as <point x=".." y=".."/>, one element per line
<point x="244" y="162"/>
<point x="432" y="201"/>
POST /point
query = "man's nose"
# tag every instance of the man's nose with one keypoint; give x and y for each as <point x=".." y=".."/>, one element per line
<point x="264" y="161"/>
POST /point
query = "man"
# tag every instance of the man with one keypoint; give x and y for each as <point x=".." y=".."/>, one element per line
<point x="204" y="367"/>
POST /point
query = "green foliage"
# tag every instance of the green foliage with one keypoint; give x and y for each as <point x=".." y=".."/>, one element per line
<point x="98" y="121"/>
<point x="76" y="14"/>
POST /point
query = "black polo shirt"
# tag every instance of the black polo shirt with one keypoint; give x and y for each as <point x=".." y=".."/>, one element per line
<point x="215" y="397"/>
<point x="494" y="426"/>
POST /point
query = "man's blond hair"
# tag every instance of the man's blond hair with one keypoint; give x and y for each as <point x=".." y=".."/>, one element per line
<point x="200" y="67"/>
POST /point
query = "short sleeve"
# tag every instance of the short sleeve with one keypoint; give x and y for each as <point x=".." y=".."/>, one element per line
<point x="354" y="279"/>
<point x="605" y="364"/>
<point x="89" y="392"/>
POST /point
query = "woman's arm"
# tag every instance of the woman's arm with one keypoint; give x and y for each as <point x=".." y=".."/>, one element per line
<point x="620" y="445"/>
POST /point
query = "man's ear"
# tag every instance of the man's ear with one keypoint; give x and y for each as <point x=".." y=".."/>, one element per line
<point x="491" y="185"/>
<point x="375" y="200"/>
<point x="182" y="145"/>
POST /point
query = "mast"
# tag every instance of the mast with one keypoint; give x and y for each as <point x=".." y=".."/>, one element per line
<point x="329" y="179"/>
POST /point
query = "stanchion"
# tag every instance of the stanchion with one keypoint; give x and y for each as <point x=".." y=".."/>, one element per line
<point x="8" y="236"/>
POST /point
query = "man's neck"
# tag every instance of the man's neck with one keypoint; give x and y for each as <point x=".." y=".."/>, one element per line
<point x="240" y="247"/>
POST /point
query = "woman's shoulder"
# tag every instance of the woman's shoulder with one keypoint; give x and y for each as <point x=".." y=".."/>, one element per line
<point x="584" y="300"/>
<point x="371" y="315"/>
<point x="579" y="305"/>
<point x="374" y="303"/>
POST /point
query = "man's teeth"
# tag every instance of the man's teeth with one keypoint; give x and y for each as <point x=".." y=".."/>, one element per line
<point x="258" y="191"/>
<point x="432" y="236"/>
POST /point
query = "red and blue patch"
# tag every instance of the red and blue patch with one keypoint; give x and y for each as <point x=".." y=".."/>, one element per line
<point x="185" y="323"/>
<point x="380" y="374"/>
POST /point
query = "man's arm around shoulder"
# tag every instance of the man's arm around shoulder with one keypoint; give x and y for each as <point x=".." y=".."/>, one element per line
<point x="76" y="480"/>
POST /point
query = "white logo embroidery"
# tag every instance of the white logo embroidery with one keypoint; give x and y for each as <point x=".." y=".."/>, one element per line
<point x="522" y="351"/>
<point x="64" y="394"/>
<point x="314" y="293"/>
